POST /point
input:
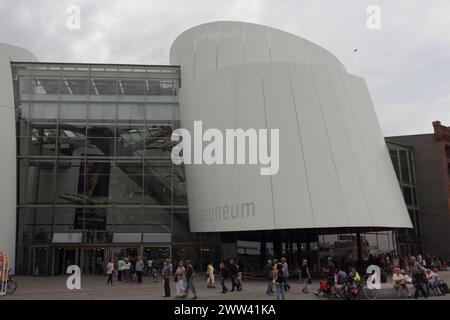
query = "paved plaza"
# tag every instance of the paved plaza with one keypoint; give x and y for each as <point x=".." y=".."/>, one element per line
<point x="95" y="287"/>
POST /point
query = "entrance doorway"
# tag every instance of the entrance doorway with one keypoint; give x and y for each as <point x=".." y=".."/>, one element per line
<point x="93" y="261"/>
<point x="155" y="256"/>
<point x="40" y="261"/>
<point x="63" y="258"/>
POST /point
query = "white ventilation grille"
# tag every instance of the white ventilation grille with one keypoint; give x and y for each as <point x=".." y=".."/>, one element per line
<point x="216" y="35"/>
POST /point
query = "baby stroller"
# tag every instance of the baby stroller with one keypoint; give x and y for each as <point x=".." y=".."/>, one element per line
<point x="326" y="290"/>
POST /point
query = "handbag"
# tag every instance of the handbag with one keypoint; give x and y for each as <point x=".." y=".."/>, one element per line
<point x="309" y="281"/>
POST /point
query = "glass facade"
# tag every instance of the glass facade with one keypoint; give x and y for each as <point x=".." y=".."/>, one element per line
<point x="409" y="241"/>
<point x="95" y="176"/>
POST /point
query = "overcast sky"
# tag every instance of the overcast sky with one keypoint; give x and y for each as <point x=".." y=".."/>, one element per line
<point x="406" y="63"/>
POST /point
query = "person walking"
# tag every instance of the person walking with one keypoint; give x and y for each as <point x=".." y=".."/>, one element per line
<point x="417" y="270"/>
<point x="132" y="272"/>
<point x="148" y="265"/>
<point x="99" y="267"/>
<point x="190" y="275"/>
<point x="210" y="273"/>
<point x="139" y="269"/>
<point x="419" y="259"/>
<point x="120" y="265"/>
<point x="268" y="274"/>
<point x="179" y="279"/>
<point x="234" y="269"/>
<point x="166" y="274"/>
<point x="224" y="274"/>
<point x="275" y="266"/>
<point x="279" y="282"/>
<point x="285" y="273"/>
<point x="305" y="276"/>
<point x="126" y="270"/>
<point x="110" y="271"/>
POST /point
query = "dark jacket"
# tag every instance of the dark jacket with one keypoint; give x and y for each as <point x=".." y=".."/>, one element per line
<point x="234" y="268"/>
<point x="268" y="269"/>
<point x="280" y="278"/>
<point x="224" y="272"/>
<point x="189" y="273"/>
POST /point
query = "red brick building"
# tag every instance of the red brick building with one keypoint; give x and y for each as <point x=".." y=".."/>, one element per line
<point x="442" y="136"/>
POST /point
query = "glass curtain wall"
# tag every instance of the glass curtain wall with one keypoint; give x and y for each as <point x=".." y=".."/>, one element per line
<point x="409" y="241"/>
<point x="94" y="161"/>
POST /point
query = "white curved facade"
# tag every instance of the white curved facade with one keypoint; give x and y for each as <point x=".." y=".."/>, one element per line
<point x="8" y="153"/>
<point x="334" y="171"/>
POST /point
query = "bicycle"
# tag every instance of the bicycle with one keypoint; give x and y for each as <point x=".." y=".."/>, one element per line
<point x="11" y="285"/>
<point x="353" y="293"/>
<point x="345" y="291"/>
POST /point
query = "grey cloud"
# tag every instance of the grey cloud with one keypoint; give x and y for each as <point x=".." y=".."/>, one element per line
<point x="406" y="63"/>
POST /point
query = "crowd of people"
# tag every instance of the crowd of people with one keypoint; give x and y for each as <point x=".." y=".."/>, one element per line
<point x="129" y="269"/>
<point x="424" y="278"/>
<point x="420" y="272"/>
<point x="389" y="261"/>
<point x="276" y="273"/>
<point x="408" y="272"/>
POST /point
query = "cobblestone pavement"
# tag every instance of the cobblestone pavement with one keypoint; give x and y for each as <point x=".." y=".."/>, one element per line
<point x="95" y="287"/>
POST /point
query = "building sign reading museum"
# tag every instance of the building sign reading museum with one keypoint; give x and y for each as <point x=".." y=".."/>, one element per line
<point x="228" y="212"/>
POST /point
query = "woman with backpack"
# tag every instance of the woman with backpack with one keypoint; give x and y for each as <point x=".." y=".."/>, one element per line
<point x="279" y="282"/>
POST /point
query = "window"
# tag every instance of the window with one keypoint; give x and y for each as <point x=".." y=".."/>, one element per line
<point x="407" y="194"/>
<point x="394" y="158"/>
<point x="94" y="152"/>
<point x="404" y="168"/>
